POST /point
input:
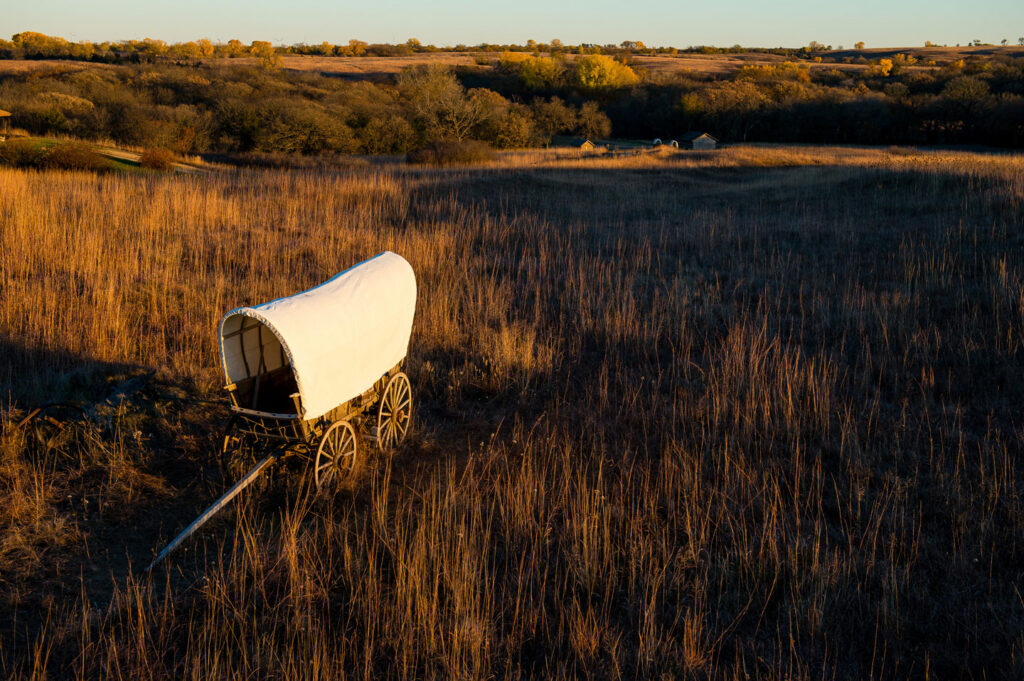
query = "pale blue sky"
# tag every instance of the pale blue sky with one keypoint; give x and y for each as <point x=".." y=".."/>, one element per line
<point x="880" y="23"/>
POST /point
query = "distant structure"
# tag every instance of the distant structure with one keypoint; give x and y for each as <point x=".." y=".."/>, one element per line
<point x="581" y="143"/>
<point x="674" y="144"/>
<point x="5" y="124"/>
<point x="657" y="142"/>
<point x="700" y="141"/>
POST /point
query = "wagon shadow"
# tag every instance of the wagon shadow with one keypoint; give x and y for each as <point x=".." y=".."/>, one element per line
<point x="34" y="375"/>
<point x="109" y="472"/>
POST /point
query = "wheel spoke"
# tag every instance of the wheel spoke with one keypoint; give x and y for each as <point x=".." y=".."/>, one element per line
<point x="327" y="476"/>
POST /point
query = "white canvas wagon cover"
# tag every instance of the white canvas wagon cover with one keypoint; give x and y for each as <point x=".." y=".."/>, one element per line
<point x="339" y="337"/>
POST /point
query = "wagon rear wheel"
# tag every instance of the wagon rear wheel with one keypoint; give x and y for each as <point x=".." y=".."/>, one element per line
<point x="336" y="455"/>
<point x="394" y="415"/>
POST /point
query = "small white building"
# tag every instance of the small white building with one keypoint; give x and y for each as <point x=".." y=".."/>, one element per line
<point x="699" y="141"/>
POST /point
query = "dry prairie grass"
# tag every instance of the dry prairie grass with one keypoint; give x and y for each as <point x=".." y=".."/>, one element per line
<point x="54" y="66"/>
<point x="748" y="415"/>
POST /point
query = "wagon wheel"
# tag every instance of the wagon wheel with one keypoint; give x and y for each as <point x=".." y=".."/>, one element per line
<point x="395" y="412"/>
<point x="237" y="452"/>
<point x="336" y="455"/>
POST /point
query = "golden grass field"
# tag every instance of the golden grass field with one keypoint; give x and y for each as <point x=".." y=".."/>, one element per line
<point x="750" y="414"/>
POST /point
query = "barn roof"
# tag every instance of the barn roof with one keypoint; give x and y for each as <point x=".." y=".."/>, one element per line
<point x="690" y="136"/>
<point x="578" y="141"/>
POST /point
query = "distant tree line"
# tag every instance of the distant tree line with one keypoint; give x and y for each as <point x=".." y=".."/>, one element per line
<point x="33" y="45"/>
<point x="513" y="99"/>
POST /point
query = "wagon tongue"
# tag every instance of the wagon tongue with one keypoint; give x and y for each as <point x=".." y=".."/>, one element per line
<point x="216" y="506"/>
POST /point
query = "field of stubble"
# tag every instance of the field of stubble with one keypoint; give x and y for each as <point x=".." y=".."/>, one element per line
<point x="755" y="414"/>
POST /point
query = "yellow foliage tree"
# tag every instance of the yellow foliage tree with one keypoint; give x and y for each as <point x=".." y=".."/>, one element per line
<point x="536" y="73"/>
<point x="601" y="72"/>
<point x="235" y="48"/>
<point x="206" y="48"/>
<point x="265" y="52"/>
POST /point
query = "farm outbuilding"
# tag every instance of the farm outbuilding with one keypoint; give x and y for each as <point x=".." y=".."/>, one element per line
<point x="700" y="141"/>
<point x="5" y="124"/>
<point x="582" y="144"/>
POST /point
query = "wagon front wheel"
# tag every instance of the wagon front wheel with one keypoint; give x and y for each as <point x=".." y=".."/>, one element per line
<point x="395" y="412"/>
<point x="336" y="455"/>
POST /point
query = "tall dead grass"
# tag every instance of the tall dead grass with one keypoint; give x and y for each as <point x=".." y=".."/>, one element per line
<point x="675" y="422"/>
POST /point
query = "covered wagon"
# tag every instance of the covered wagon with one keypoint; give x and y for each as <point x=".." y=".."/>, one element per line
<point x="316" y="374"/>
<point x="320" y="370"/>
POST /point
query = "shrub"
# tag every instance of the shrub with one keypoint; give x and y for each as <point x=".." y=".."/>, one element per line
<point x="21" y="153"/>
<point x="157" y="159"/>
<point x="25" y="153"/>
<point x="452" y="153"/>
<point x="74" y="156"/>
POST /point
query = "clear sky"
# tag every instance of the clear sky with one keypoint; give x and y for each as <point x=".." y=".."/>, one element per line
<point x="791" y="23"/>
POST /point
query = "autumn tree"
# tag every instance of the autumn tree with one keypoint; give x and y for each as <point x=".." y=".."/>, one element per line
<point x="734" y="107"/>
<point x="206" y="48"/>
<point x="517" y="130"/>
<point x="552" y="118"/>
<point x="882" y="68"/>
<point x="597" y="72"/>
<point x="967" y="93"/>
<point x="389" y="134"/>
<point x="39" y="45"/>
<point x="440" y="104"/>
<point x="535" y="73"/>
<point x="234" y="48"/>
<point x="152" y="47"/>
<point x="593" y="123"/>
<point x="265" y="53"/>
